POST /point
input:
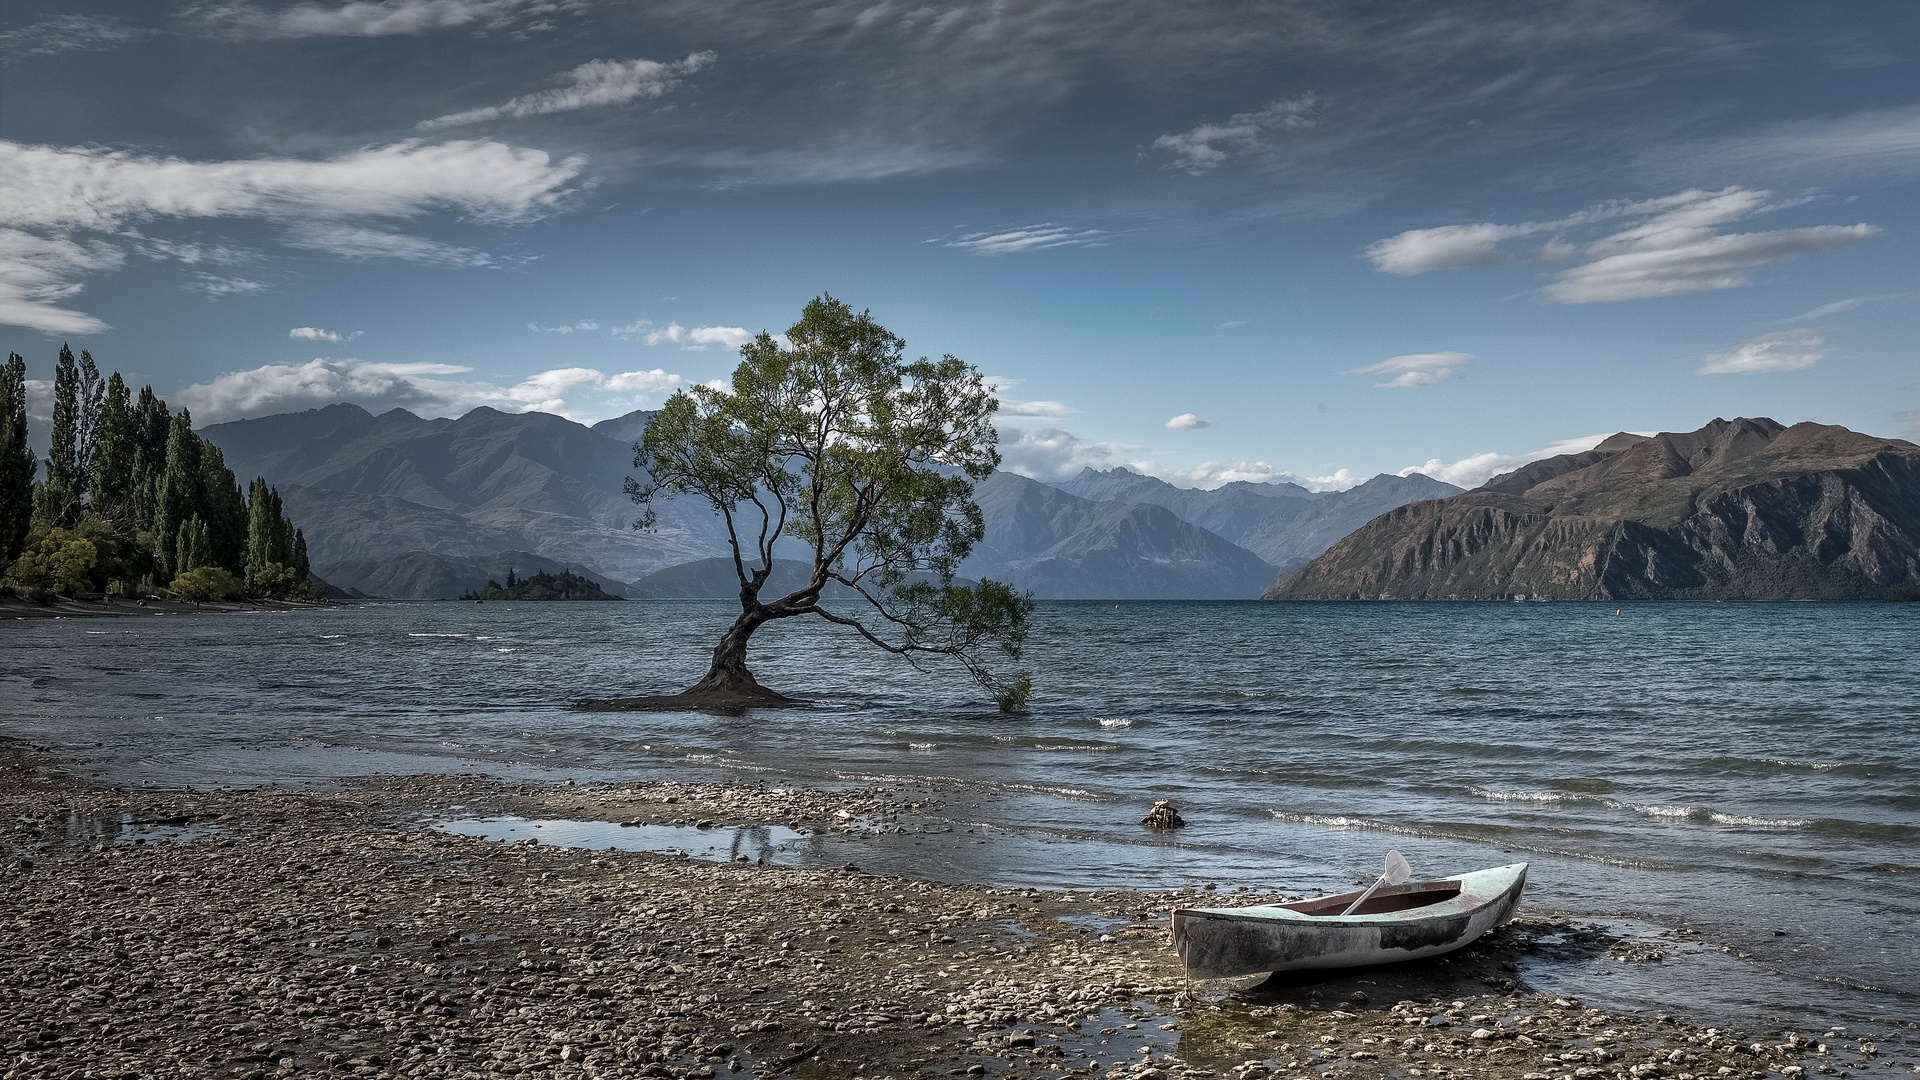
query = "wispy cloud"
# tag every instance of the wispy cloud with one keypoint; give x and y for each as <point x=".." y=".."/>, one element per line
<point x="693" y="338"/>
<point x="1028" y="238"/>
<point x="314" y="333"/>
<point x="359" y="242"/>
<point x="216" y="286"/>
<point x="1675" y="246"/>
<point x="56" y="192"/>
<point x="427" y="388"/>
<point x="1416" y="369"/>
<point x="1785" y="350"/>
<point x="1841" y="307"/>
<point x="243" y="19"/>
<point x="1187" y="421"/>
<point x="67" y="33"/>
<point x="1209" y="145"/>
<point x="594" y="83"/>
<point x="584" y="326"/>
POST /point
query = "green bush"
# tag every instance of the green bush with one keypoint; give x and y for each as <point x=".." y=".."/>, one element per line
<point x="63" y="561"/>
<point x="279" y="582"/>
<point x="208" y="583"/>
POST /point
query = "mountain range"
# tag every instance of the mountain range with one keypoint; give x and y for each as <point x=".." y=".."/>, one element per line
<point x="1740" y="509"/>
<point x="397" y="505"/>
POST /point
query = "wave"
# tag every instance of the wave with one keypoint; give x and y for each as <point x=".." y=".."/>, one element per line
<point x="1114" y="721"/>
<point x="1703" y="814"/>
<point x="419" y="634"/>
<point x="1471" y="835"/>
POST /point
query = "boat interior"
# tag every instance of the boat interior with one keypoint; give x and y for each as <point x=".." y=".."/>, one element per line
<point x="1417" y="894"/>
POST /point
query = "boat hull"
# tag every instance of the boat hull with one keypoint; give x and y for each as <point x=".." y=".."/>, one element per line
<point x="1218" y="943"/>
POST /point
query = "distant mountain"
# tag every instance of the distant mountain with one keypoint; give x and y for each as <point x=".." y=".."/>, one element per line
<point x="433" y="576"/>
<point x="1062" y="546"/>
<point x="397" y="505"/>
<point x="373" y="486"/>
<point x="1742" y="509"/>
<point x="1284" y="524"/>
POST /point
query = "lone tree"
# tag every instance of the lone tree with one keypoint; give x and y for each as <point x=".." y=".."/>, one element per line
<point x="868" y="459"/>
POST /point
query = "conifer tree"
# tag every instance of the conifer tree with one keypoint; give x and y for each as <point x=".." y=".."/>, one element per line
<point x="177" y="492"/>
<point x="223" y="509"/>
<point x="300" y="564"/>
<point x="193" y="548"/>
<point x="115" y="470"/>
<point x="57" y="501"/>
<point x="151" y="424"/>
<point x="17" y="464"/>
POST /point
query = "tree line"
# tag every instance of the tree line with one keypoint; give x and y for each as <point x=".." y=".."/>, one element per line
<point x="133" y="501"/>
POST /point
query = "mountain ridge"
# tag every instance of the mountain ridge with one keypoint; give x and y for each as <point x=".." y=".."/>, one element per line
<point x="1738" y="509"/>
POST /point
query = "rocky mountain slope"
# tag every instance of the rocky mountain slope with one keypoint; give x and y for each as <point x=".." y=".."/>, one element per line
<point x="1742" y="509"/>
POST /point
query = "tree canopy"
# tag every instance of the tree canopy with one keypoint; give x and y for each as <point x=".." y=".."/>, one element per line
<point x="833" y="438"/>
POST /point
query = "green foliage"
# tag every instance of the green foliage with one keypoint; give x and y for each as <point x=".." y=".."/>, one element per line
<point x="66" y="561"/>
<point x="869" y="459"/>
<point x="565" y="585"/>
<point x="206" y="583"/>
<point x="153" y="498"/>
<point x="17" y="464"/>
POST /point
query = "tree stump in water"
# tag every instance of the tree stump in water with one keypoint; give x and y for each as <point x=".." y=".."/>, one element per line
<point x="1164" y="815"/>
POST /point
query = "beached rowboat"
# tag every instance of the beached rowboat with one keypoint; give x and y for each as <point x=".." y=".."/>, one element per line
<point x="1398" y="922"/>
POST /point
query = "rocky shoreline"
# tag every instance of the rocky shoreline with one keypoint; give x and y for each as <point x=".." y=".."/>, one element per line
<point x="269" y="932"/>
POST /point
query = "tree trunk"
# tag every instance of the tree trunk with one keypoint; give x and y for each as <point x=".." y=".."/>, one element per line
<point x="728" y="676"/>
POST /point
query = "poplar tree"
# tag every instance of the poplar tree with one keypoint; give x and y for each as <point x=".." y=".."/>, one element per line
<point x="57" y="501"/>
<point x="116" y="473"/>
<point x="177" y="492"/>
<point x="17" y="463"/>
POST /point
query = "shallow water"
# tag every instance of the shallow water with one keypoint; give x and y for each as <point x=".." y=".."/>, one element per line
<point x="1737" y="770"/>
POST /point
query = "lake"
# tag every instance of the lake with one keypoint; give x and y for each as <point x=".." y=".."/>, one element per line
<point x="1737" y="785"/>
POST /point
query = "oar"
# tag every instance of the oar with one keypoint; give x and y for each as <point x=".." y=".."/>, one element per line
<point x="1395" y="872"/>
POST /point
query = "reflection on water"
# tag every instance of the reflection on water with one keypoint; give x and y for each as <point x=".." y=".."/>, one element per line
<point x="1722" y="769"/>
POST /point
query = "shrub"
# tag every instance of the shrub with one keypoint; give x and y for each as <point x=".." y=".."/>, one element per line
<point x="63" y="562"/>
<point x="208" y="583"/>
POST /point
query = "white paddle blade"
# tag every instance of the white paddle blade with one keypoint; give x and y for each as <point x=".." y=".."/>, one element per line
<point x="1397" y="871"/>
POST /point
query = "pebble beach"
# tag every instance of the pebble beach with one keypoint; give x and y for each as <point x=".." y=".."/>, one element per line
<point x="338" y="932"/>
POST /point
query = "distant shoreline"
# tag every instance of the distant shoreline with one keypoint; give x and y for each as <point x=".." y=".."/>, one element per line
<point x="15" y="607"/>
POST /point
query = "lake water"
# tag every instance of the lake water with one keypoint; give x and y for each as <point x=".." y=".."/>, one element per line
<point x="1745" y="775"/>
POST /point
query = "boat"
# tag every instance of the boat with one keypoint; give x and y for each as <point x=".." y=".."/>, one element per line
<point x="1392" y="923"/>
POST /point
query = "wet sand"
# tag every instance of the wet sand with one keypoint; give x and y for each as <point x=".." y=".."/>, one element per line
<point x="338" y="933"/>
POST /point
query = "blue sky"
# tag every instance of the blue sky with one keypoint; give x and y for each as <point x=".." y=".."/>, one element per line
<point x="1295" y="239"/>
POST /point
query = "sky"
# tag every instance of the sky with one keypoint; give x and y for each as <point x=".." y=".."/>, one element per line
<point x="1302" y="239"/>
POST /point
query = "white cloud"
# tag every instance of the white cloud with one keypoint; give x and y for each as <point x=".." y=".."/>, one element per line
<point x="578" y="393"/>
<point x="687" y="337"/>
<point x="215" y="285"/>
<point x="1476" y="469"/>
<point x="1028" y="238"/>
<point x="582" y="327"/>
<point x="1416" y="369"/>
<point x="1052" y="453"/>
<point x="1448" y="247"/>
<point x="55" y="192"/>
<point x="592" y="84"/>
<point x="656" y="381"/>
<point x="1786" y="350"/>
<point x="1212" y="474"/>
<point x="358" y="242"/>
<point x="36" y="274"/>
<point x="1033" y="410"/>
<point x="1675" y="246"/>
<point x="363" y="18"/>
<point x="1207" y="146"/>
<point x="314" y="333"/>
<point x="1187" y="421"/>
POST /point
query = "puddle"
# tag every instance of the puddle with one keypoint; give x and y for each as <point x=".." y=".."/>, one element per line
<point x="774" y="845"/>
<point x="130" y="828"/>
